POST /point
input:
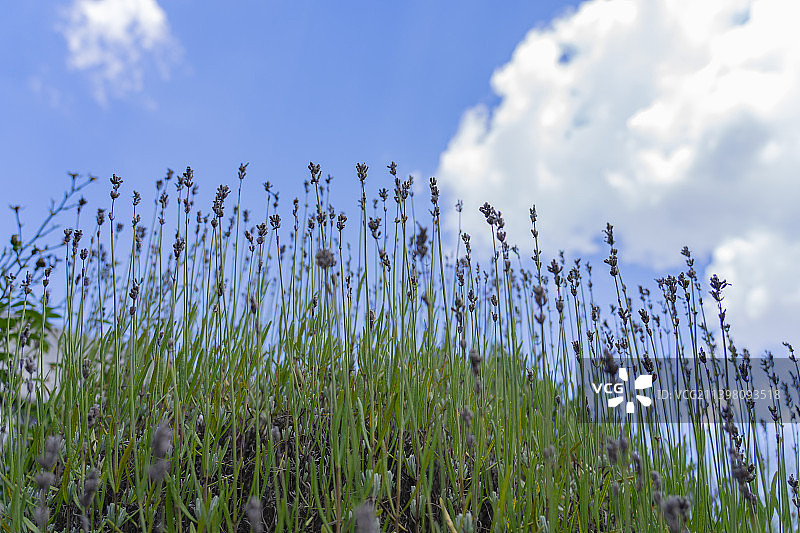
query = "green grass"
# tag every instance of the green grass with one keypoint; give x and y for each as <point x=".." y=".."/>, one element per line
<point x="246" y="374"/>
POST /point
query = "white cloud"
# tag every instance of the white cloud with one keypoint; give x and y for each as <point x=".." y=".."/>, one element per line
<point x="113" y="40"/>
<point x="675" y="120"/>
<point x="763" y="299"/>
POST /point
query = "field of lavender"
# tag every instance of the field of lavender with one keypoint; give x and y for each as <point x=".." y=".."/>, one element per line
<point x="275" y="374"/>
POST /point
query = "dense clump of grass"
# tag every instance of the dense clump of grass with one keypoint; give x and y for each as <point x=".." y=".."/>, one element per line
<point x="246" y="376"/>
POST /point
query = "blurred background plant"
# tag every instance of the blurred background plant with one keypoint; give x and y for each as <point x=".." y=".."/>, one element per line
<point x="25" y="261"/>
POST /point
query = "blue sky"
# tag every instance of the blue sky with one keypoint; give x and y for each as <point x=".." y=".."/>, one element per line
<point x="675" y="120"/>
<point x="273" y="83"/>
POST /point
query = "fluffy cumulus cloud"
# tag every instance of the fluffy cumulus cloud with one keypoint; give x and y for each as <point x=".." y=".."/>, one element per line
<point x="114" y="41"/>
<point x="675" y="120"/>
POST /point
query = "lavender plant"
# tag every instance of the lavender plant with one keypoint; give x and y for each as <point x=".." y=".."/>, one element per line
<point x="255" y="372"/>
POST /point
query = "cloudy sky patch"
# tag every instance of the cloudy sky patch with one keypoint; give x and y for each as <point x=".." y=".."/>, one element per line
<point x="674" y="120"/>
<point x="114" y="41"/>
